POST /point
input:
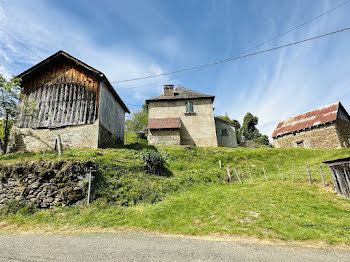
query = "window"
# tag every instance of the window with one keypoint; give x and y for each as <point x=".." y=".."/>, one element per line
<point x="189" y="107"/>
<point x="300" y="144"/>
<point x="224" y="132"/>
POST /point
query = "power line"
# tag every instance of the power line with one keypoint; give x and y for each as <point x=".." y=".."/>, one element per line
<point x="21" y="44"/>
<point x="234" y="58"/>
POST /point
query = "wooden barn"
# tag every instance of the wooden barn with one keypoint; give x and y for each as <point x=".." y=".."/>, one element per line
<point x="73" y="101"/>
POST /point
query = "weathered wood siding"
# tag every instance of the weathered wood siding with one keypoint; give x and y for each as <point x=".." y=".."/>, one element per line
<point x="64" y="95"/>
<point x="111" y="114"/>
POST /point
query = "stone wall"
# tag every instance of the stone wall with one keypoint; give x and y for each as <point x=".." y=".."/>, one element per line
<point x="164" y="137"/>
<point x="106" y="139"/>
<point x="28" y="139"/>
<point x="228" y="140"/>
<point x="343" y="129"/>
<point x="322" y="137"/>
<point x="197" y="128"/>
<point x="44" y="184"/>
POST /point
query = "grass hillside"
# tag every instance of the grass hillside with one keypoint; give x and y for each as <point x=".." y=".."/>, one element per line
<point x="194" y="197"/>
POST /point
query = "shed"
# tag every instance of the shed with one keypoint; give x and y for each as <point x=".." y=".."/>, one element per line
<point x="340" y="169"/>
<point x="73" y="100"/>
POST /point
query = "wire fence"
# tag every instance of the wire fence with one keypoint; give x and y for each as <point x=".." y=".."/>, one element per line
<point x="308" y="173"/>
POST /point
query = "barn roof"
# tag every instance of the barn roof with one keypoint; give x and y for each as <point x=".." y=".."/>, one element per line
<point x="62" y="54"/>
<point x="164" y="123"/>
<point x="181" y="93"/>
<point x="310" y="119"/>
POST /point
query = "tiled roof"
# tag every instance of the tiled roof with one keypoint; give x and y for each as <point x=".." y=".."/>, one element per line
<point x="164" y="123"/>
<point x="181" y="93"/>
<point x="313" y="118"/>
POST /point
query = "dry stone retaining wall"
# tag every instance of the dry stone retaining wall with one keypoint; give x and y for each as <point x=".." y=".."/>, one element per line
<point x="44" y="184"/>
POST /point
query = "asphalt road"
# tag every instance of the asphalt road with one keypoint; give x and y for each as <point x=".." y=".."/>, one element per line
<point x="147" y="247"/>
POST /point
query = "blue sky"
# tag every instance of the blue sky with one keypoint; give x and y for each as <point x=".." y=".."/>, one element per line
<point x="127" y="39"/>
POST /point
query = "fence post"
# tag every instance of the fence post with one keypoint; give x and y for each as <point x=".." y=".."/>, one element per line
<point x="279" y="170"/>
<point x="265" y="174"/>
<point x="228" y="174"/>
<point x="250" y="174"/>
<point x="293" y="177"/>
<point x="220" y="163"/>
<point x="238" y="176"/>
<point x="322" y="176"/>
<point x="58" y="143"/>
<point x="308" y="173"/>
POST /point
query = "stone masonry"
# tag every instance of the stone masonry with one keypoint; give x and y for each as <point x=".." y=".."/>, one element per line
<point x="321" y="137"/>
<point x="164" y="137"/>
<point x="44" y="184"/>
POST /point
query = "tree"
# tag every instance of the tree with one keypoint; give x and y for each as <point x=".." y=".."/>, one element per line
<point x="9" y="96"/>
<point x="250" y="132"/>
<point x="138" y="120"/>
<point x="235" y="123"/>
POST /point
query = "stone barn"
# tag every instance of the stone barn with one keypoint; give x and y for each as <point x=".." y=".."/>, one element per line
<point x="181" y="116"/>
<point x="73" y="100"/>
<point x="324" y="128"/>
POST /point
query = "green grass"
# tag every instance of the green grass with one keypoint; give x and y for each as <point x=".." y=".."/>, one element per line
<point x="195" y="199"/>
<point x="131" y="138"/>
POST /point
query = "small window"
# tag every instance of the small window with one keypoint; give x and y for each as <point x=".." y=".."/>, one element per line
<point x="224" y="132"/>
<point x="300" y="144"/>
<point x="189" y="107"/>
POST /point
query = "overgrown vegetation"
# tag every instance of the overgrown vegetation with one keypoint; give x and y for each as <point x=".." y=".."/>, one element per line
<point x="247" y="134"/>
<point x="195" y="199"/>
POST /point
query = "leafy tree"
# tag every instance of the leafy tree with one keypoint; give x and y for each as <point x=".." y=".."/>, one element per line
<point x="138" y="120"/>
<point x="10" y="94"/>
<point x="236" y="124"/>
<point x="250" y="132"/>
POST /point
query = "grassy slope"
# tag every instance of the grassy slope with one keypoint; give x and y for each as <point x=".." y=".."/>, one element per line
<point x="195" y="200"/>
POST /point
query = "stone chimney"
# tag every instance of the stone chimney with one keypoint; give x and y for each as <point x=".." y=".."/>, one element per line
<point x="168" y="90"/>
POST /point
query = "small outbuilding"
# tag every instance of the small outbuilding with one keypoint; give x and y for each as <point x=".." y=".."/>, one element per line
<point x="340" y="169"/>
<point x="323" y="128"/>
<point x="73" y="101"/>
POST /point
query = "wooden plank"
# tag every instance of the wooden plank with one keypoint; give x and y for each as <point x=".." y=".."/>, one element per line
<point x="228" y="175"/>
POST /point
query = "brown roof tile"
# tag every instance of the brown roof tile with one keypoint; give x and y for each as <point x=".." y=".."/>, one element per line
<point x="313" y="118"/>
<point x="164" y="123"/>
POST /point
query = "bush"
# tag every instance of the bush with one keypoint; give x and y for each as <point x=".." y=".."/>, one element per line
<point x="153" y="161"/>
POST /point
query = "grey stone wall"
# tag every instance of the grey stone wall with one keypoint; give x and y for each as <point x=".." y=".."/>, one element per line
<point x="28" y="139"/>
<point x="164" y="137"/>
<point x="44" y="184"/>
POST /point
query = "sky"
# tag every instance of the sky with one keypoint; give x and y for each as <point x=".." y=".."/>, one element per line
<point x="136" y="38"/>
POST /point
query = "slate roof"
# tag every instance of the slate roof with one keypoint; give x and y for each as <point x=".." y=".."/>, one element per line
<point x="62" y="54"/>
<point x="310" y="119"/>
<point x="181" y="93"/>
<point x="164" y="123"/>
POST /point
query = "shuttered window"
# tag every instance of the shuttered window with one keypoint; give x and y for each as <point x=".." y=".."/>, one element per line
<point x="189" y="107"/>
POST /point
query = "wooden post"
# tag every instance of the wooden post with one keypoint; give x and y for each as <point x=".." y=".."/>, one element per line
<point x="238" y="176"/>
<point x="250" y="174"/>
<point x="322" y="176"/>
<point x="58" y="143"/>
<point x="308" y="173"/>
<point x="293" y="177"/>
<point x="220" y="163"/>
<point x="228" y="174"/>
<point x="279" y="170"/>
<point x="265" y="174"/>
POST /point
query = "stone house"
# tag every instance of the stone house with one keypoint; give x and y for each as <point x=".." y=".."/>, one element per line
<point x="184" y="117"/>
<point x="74" y="101"/>
<point x="324" y="128"/>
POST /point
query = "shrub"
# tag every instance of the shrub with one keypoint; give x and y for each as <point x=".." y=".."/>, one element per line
<point x="18" y="206"/>
<point x="153" y="161"/>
